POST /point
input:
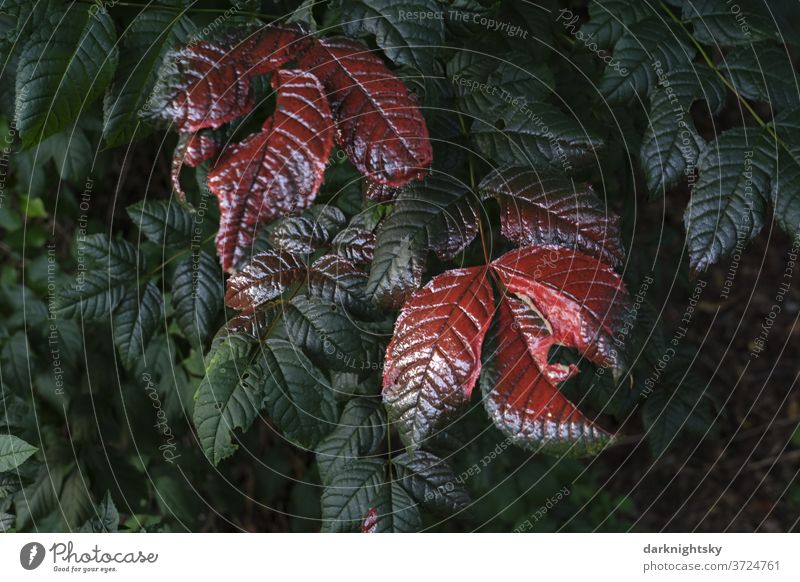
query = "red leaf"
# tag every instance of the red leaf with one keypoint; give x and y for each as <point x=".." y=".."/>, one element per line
<point x="193" y="149"/>
<point x="537" y="208"/>
<point x="370" y="523"/>
<point x="276" y="171"/>
<point x="272" y="47"/>
<point x="267" y="276"/>
<point x="379" y="192"/>
<point x="433" y="360"/>
<point x="379" y="126"/>
<point x="582" y="299"/>
<point x="208" y="84"/>
<point x="355" y="244"/>
<point x="520" y="387"/>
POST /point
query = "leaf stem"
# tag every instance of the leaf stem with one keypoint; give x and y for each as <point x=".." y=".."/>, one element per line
<point x="472" y="185"/>
<point x="180" y="254"/>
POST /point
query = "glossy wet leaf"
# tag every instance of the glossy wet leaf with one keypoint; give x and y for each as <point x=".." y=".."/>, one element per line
<point x="608" y="20"/>
<point x="405" y="41"/>
<point x="327" y="333"/>
<point x="762" y="72"/>
<point x="229" y="396"/>
<point x="358" y="433"/>
<point x="355" y="244"/>
<point x="116" y="259"/>
<point x="276" y="171"/>
<point x="394" y="512"/>
<point x="719" y="23"/>
<point x="197" y="295"/>
<point x="297" y="397"/>
<point x="65" y="63"/>
<point x="433" y="360"/>
<point x="785" y="191"/>
<point x="136" y="320"/>
<point x="541" y="208"/>
<point x="671" y="144"/>
<point x="438" y="214"/>
<point x="431" y="481"/>
<point x="300" y="235"/>
<point x="144" y="44"/>
<point x="648" y="41"/>
<point x="582" y="299"/>
<point x="350" y="494"/>
<point x="727" y="205"/>
<point x="90" y="298"/>
<point x="265" y="278"/>
<point x="520" y="387"/>
<point x="163" y="222"/>
<point x="336" y="280"/>
<point x="378" y="125"/>
<point x="207" y="84"/>
<point x="537" y="134"/>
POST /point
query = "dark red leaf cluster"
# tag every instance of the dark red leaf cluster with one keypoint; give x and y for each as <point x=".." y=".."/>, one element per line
<point x="341" y="92"/>
<point x="548" y="295"/>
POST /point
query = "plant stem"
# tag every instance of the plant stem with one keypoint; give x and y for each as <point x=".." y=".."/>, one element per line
<point x="180" y="254"/>
<point x="472" y="185"/>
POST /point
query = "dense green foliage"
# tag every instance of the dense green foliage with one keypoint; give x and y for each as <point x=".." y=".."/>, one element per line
<point x="134" y="398"/>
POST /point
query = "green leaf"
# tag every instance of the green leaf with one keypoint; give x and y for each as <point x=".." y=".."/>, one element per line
<point x="608" y="20"/>
<point x="163" y="222"/>
<point x="669" y="411"/>
<point x="727" y="204"/>
<point x="671" y="144"/>
<point x="297" y="396"/>
<point x="135" y="321"/>
<point x="118" y="259"/>
<point x="351" y="493"/>
<point x="431" y="481"/>
<point x="304" y="14"/>
<point x="485" y="86"/>
<point x="229" y="396"/>
<point x="170" y="494"/>
<point x="144" y="44"/>
<point x="72" y="153"/>
<point x="438" y="214"/>
<point x="537" y="134"/>
<point x="106" y="518"/>
<point x="785" y="192"/>
<point x="40" y="499"/>
<point x="336" y="280"/>
<point x="64" y="65"/>
<point x="15" y="359"/>
<point x="397" y="511"/>
<point x="299" y="235"/>
<point x="13" y="452"/>
<point x="762" y="73"/>
<point x="359" y="432"/>
<point x="405" y="40"/>
<point x="725" y="23"/>
<point x="91" y="297"/>
<point x="326" y="332"/>
<point x="15" y="413"/>
<point x="75" y="502"/>
<point x="197" y="292"/>
<point x="160" y="372"/>
<point x="647" y="43"/>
